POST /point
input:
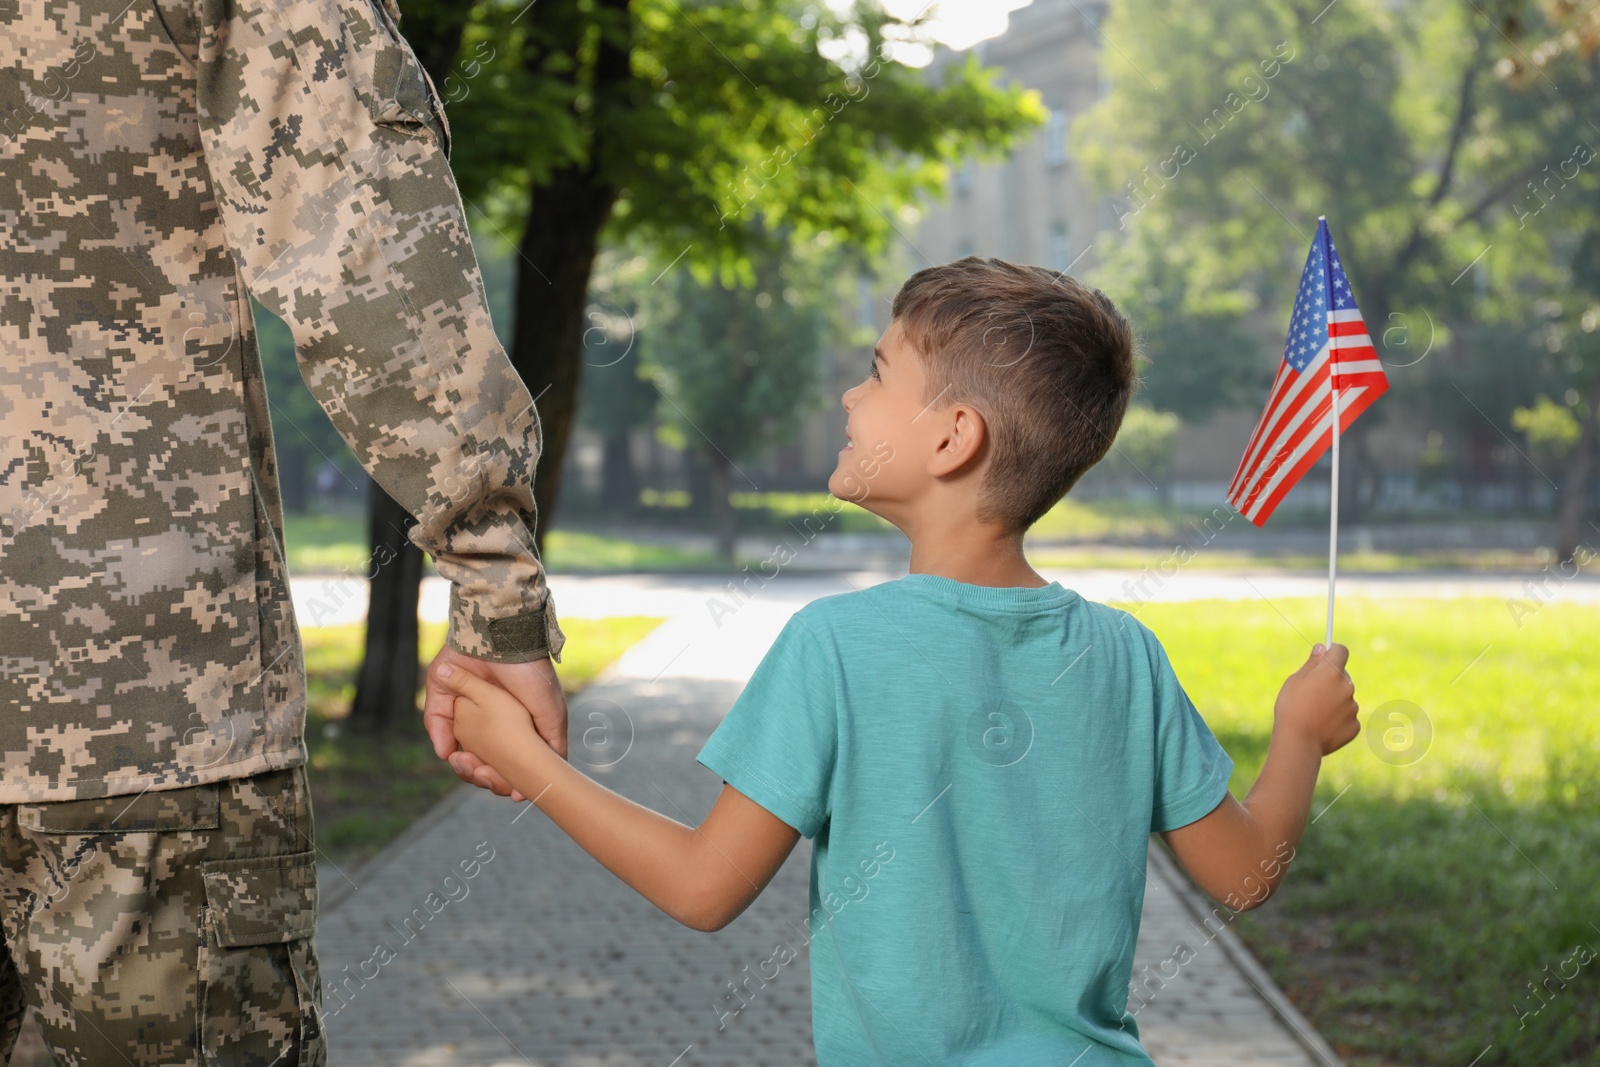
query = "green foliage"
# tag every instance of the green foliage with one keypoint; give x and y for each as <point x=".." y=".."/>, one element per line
<point x="741" y="367"/>
<point x="617" y="393"/>
<point x="302" y="436"/>
<point x="1550" y="428"/>
<point x="336" y="545"/>
<point x="1146" y="444"/>
<point x="1463" y="205"/>
<point x="724" y="114"/>
<point x="1196" y="350"/>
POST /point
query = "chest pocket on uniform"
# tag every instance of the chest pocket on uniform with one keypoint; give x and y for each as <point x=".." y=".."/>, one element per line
<point x="405" y="97"/>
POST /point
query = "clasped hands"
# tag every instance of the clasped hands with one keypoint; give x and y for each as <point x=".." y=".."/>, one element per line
<point x="459" y="728"/>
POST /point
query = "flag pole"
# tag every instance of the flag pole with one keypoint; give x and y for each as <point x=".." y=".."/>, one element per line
<point x="1333" y="389"/>
<point x="1333" y="524"/>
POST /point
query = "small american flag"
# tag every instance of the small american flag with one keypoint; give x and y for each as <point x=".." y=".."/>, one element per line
<point x="1326" y="337"/>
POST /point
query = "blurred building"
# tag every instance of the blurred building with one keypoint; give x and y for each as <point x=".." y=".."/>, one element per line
<point x="1033" y="206"/>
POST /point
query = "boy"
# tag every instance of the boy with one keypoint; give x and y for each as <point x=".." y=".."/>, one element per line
<point x="979" y="755"/>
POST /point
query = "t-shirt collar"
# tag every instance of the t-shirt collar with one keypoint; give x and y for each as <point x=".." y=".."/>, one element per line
<point x="1017" y="598"/>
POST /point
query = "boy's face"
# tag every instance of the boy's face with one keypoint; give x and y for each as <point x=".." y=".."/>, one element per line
<point x="883" y="467"/>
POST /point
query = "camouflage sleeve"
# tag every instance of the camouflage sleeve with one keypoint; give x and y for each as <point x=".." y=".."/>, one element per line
<point x="328" y="147"/>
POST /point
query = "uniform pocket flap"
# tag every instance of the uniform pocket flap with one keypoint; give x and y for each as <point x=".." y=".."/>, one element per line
<point x="403" y="93"/>
<point x="262" y="900"/>
<point x="196" y="807"/>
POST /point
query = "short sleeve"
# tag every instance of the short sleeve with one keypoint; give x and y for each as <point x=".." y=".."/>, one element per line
<point x="1191" y="767"/>
<point x="778" y="743"/>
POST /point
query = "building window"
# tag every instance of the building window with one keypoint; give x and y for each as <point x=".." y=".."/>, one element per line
<point x="1059" y="257"/>
<point x="1055" y="138"/>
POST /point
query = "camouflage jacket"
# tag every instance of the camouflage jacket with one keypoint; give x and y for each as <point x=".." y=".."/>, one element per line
<point x="160" y="161"/>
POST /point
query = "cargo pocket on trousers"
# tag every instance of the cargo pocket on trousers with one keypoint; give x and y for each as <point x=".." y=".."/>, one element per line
<point x="259" y="998"/>
<point x="404" y="97"/>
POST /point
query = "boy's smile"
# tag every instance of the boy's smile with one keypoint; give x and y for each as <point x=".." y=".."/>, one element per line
<point x="881" y="412"/>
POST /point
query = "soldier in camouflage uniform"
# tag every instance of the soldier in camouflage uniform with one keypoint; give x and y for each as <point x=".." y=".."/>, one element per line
<point x="160" y="160"/>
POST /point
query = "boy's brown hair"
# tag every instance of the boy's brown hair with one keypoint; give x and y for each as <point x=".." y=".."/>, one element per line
<point x="1046" y="360"/>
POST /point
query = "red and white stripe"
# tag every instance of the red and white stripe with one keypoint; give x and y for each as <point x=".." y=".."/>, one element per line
<point x="1297" y="427"/>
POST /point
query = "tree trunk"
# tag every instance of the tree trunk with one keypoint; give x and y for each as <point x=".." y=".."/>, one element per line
<point x="386" y="687"/>
<point x="292" y="481"/>
<point x="722" y="505"/>
<point x="558" y="246"/>
<point x="702" y="490"/>
<point x="619" y="482"/>
<point x="1574" y="497"/>
<point x="1358" y="478"/>
<point x="558" y="249"/>
<point x="1359" y="470"/>
<point x="434" y="32"/>
<point x="387" y="681"/>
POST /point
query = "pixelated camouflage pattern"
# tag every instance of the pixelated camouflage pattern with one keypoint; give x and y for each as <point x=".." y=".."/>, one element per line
<point x="175" y="928"/>
<point x="159" y="160"/>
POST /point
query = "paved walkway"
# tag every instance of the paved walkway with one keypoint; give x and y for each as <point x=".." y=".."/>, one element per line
<point x="541" y="958"/>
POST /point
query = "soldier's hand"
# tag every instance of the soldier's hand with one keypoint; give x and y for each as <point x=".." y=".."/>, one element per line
<point x="534" y="684"/>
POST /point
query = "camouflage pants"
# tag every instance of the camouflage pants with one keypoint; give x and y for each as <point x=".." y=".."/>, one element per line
<point x="167" y="928"/>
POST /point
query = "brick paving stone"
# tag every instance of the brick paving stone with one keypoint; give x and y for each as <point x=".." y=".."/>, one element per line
<point x="544" y="959"/>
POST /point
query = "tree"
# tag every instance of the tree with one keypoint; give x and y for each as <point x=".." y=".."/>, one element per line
<point x="1146" y="447"/>
<point x="599" y="120"/>
<point x="582" y="122"/>
<point x="739" y="367"/>
<point x="1568" y="328"/>
<point x="303" y="438"/>
<point x="1568" y="27"/>
<point x="1199" y="352"/>
<point x="617" y="395"/>
<point x="1389" y="119"/>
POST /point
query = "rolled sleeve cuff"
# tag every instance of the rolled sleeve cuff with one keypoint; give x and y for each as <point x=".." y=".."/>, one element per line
<point x="520" y="638"/>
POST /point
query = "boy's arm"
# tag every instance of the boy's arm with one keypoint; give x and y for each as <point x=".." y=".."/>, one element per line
<point x="704" y="876"/>
<point x="1239" y="853"/>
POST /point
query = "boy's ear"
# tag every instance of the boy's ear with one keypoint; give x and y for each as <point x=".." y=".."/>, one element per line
<point x="960" y="441"/>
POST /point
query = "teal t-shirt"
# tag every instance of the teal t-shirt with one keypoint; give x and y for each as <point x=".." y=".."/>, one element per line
<point x="980" y="770"/>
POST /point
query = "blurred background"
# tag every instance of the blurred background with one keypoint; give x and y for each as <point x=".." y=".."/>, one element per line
<point x="692" y="218"/>
<point x="1181" y="169"/>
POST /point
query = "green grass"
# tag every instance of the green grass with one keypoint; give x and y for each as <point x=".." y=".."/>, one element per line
<point x="326" y="544"/>
<point x="333" y="544"/>
<point x="336" y="544"/>
<point x="323" y="544"/>
<point x="367" y="789"/>
<point x="1069" y="520"/>
<point x="574" y="552"/>
<point x="1426" y="900"/>
<point x="1224" y="560"/>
